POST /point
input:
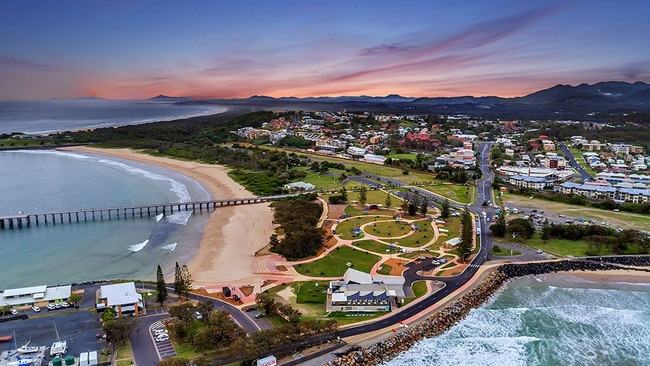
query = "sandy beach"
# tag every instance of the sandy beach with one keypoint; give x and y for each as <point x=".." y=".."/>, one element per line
<point x="233" y="234"/>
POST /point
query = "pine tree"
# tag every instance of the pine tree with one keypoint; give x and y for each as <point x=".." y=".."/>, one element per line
<point x="445" y="209"/>
<point x="467" y="235"/>
<point x="424" y="205"/>
<point x="388" y="201"/>
<point x="344" y="194"/>
<point x="178" y="285"/>
<point x="186" y="281"/>
<point x="363" y="196"/>
<point x="161" y="287"/>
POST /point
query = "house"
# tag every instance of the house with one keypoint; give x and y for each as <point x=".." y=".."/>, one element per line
<point x="34" y="294"/>
<point x="525" y="181"/>
<point x="359" y="292"/>
<point x="122" y="297"/>
<point x="299" y="187"/>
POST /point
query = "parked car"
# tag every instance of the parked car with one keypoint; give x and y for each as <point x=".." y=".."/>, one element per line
<point x="65" y="304"/>
<point x="162" y="338"/>
<point x="260" y="315"/>
<point x="50" y="306"/>
<point x="198" y="315"/>
<point x="14" y="311"/>
<point x="36" y="309"/>
<point x="252" y="308"/>
<point x="539" y="251"/>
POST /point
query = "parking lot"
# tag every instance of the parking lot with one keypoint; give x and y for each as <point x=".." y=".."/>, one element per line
<point x="78" y="327"/>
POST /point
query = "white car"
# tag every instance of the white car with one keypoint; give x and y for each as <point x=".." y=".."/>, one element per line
<point x="162" y="338"/>
<point x="14" y="312"/>
<point x="36" y="309"/>
<point x="539" y="251"/>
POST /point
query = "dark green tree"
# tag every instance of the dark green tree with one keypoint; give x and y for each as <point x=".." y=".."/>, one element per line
<point x="363" y="196"/>
<point x="546" y="231"/>
<point x="186" y="281"/>
<point x="119" y="330"/>
<point x="412" y="207"/>
<point x="178" y="284"/>
<point x="498" y="229"/>
<point x="344" y="194"/>
<point x="424" y="205"/>
<point x="467" y="235"/>
<point x="445" y="209"/>
<point x="161" y="287"/>
<point x="388" y="201"/>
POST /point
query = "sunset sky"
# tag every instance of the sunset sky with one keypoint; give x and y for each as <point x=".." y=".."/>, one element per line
<point x="124" y="49"/>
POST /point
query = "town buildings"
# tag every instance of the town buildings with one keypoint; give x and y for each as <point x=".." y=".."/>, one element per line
<point x="359" y="292"/>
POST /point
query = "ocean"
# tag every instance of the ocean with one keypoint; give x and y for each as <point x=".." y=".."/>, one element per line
<point x="48" y="180"/>
<point x="41" y="117"/>
<point x="547" y="320"/>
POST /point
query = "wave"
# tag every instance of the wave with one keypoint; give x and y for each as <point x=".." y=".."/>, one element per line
<point x="180" y="217"/>
<point x="169" y="247"/>
<point x="159" y="217"/>
<point x="178" y="188"/>
<point x="138" y="247"/>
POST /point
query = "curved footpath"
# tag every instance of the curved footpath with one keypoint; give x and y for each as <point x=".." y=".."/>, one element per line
<point x="452" y="314"/>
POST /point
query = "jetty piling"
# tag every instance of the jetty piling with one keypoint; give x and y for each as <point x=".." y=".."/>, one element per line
<point x="26" y="219"/>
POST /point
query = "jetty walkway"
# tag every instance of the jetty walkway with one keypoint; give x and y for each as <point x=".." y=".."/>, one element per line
<point x="92" y="214"/>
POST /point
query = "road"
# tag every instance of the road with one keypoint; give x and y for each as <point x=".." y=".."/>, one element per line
<point x="583" y="174"/>
<point x="453" y="283"/>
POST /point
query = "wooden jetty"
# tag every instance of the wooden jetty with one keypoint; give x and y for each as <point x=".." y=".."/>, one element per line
<point x="92" y="214"/>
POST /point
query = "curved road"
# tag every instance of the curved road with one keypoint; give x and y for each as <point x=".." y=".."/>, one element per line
<point x="583" y="174"/>
<point x="452" y="284"/>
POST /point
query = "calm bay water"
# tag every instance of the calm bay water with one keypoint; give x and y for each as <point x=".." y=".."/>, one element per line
<point x="37" y="117"/>
<point x="40" y="181"/>
<point x="547" y="320"/>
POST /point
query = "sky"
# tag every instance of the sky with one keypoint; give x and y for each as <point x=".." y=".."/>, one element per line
<point x="131" y="49"/>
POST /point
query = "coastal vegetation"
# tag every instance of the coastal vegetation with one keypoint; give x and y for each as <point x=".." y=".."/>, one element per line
<point x="297" y="218"/>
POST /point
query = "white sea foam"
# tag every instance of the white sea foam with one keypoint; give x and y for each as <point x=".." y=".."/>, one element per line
<point x="138" y="247"/>
<point x="159" y="217"/>
<point x="169" y="247"/>
<point x="178" y="188"/>
<point x="180" y="217"/>
<point x="58" y="153"/>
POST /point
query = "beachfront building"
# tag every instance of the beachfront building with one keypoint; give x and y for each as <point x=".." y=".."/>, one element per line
<point x="120" y="296"/>
<point x="35" y="294"/>
<point x="299" y="187"/>
<point x="359" y="292"/>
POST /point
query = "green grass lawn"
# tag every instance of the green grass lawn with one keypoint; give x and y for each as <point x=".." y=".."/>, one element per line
<point x="388" y="229"/>
<point x="456" y="192"/>
<point x="311" y="292"/>
<point x="419" y="289"/>
<point x="504" y="252"/>
<point x="321" y="181"/>
<point x="420" y="237"/>
<point x="374" y="246"/>
<point x="385" y="269"/>
<point x="375" y="196"/>
<point x="334" y="264"/>
<point x="344" y="227"/>
<point x="349" y="318"/>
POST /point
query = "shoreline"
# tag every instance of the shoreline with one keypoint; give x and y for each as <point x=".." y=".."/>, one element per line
<point x="224" y="255"/>
<point x="442" y="316"/>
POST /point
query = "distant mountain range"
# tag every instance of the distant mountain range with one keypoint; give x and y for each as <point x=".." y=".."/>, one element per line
<point x="561" y="101"/>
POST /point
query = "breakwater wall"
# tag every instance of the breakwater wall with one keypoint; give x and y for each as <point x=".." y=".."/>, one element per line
<point x="478" y="295"/>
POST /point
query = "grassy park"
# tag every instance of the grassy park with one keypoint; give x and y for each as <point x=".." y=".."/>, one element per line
<point x="374" y="246"/>
<point x="335" y="263"/>
<point x="420" y="237"/>
<point x="455" y="192"/>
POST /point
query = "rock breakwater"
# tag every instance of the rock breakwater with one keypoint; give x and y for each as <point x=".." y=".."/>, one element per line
<point x="479" y="294"/>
